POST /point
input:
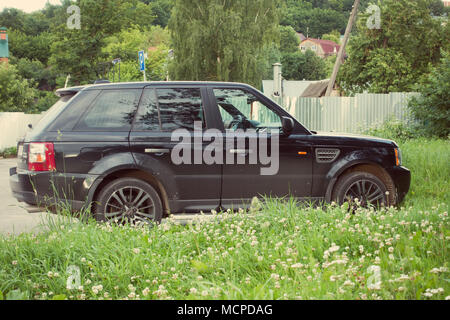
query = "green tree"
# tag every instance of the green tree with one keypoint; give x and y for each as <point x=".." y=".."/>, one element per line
<point x="128" y="42"/>
<point x="36" y="73"/>
<point x="303" y="66"/>
<point x="79" y="52"/>
<point x="221" y="40"/>
<point x="161" y="10"/>
<point x="16" y="94"/>
<point x="312" y="20"/>
<point x="394" y="57"/>
<point x="289" y="41"/>
<point x="432" y="108"/>
<point x="334" y="35"/>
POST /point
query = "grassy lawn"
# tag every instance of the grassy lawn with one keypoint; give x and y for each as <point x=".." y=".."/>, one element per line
<point x="279" y="252"/>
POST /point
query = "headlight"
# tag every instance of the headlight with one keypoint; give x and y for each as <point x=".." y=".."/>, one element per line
<point x="398" y="157"/>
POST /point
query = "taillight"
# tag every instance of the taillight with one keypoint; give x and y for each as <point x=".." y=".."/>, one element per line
<point x="41" y="156"/>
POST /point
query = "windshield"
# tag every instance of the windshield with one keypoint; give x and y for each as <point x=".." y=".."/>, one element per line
<point x="52" y="113"/>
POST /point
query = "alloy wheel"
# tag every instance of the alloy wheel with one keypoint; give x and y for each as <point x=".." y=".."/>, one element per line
<point x="367" y="192"/>
<point x="130" y="204"/>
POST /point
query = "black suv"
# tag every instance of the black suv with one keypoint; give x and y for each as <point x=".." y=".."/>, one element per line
<point x="110" y="147"/>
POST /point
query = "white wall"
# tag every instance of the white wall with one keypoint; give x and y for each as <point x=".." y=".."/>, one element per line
<point x="14" y="125"/>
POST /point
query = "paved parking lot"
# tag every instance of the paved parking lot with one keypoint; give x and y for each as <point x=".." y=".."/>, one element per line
<point x="14" y="218"/>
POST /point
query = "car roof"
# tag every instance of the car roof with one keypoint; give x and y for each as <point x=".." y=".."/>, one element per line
<point x="140" y="85"/>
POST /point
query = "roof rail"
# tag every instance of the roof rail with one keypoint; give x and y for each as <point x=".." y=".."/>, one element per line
<point x="99" y="81"/>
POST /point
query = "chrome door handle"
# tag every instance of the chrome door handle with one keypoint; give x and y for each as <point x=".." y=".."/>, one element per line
<point x="161" y="151"/>
<point x="240" y="151"/>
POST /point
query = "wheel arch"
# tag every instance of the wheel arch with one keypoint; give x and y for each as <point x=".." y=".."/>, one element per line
<point x="365" y="166"/>
<point x="131" y="173"/>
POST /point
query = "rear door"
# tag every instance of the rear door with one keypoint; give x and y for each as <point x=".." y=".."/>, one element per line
<point x="164" y="112"/>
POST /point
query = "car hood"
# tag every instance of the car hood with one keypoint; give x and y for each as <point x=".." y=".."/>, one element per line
<point x="335" y="138"/>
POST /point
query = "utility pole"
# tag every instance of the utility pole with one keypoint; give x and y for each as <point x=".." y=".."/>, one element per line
<point x="340" y="56"/>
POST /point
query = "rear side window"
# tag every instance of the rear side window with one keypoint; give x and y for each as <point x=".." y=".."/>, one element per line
<point x="112" y="110"/>
<point x="52" y="113"/>
<point x="170" y="109"/>
<point x="69" y="118"/>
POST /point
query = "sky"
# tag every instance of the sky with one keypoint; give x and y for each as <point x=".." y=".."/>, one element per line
<point x="26" y="5"/>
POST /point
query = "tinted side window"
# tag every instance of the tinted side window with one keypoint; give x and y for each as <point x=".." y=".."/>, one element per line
<point x="243" y="110"/>
<point x="170" y="109"/>
<point x="112" y="110"/>
<point x="147" y="118"/>
<point x="69" y="118"/>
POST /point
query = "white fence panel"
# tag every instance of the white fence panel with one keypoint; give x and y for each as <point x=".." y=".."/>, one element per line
<point x="14" y="125"/>
<point x="348" y="114"/>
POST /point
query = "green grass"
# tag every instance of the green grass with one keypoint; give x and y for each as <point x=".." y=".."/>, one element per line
<point x="429" y="162"/>
<point x="282" y="251"/>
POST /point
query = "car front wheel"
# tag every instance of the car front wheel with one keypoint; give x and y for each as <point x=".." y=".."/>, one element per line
<point x="364" y="189"/>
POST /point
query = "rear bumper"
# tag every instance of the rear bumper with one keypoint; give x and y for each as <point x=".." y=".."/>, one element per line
<point x="402" y="180"/>
<point x="21" y="190"/>
<point x="48" y="189"/>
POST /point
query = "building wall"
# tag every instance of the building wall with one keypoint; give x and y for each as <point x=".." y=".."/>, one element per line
<point x="14" y="125"/>
<point x="316" y="48"/>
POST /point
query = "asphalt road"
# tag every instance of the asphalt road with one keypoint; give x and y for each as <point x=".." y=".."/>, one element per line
<point x="14" y="217"/>
<point x="17" y="217"/>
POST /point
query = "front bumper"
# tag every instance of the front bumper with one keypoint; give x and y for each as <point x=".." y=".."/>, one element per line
<point x="402" y="180"/>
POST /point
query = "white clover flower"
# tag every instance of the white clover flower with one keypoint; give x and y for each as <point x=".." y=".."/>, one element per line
<point x="136" y="250"/>
<point x="14" y="262"/>
<point x="348" y="283"/>
<point x="333" y="248"/>
<point x="193" y="290"/>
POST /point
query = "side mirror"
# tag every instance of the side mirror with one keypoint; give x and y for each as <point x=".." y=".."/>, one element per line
<point x="287" y="125"/>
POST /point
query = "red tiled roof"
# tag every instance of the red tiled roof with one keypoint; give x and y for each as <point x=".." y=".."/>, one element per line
<point x="327" y="45"/>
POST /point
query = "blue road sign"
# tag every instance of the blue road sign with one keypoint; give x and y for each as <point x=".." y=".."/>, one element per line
<point x="141" y="61"/>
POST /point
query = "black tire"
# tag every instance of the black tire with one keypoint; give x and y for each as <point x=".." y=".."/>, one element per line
<point x="128" y="200"/>
<point x="368" y="188"/>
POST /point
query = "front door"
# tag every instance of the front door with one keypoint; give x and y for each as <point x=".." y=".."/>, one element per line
<point x="284" y="170"/>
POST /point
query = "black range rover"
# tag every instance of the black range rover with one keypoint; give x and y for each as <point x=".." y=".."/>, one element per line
<point x="109" y="147"/>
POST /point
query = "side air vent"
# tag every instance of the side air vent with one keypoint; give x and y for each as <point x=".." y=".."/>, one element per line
<point x="326" y="155"/>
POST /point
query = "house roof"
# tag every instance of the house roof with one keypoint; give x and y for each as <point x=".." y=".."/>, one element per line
<point x="301" y="36"/>
<point x="316" y="89"/>
<point x="328" y="46"/>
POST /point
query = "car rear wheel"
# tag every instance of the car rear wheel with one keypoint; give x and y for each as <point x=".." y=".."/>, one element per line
<point x="128" y="200"/>
<point x="362" y="188"/>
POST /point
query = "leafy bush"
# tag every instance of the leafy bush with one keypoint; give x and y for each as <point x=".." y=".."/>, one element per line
<point x="394" y="129"/>
<point x="16" y="93"/>
<point x="432" y="108"/>
<point x="8" y="152"/>
<point x="44" y="102"/>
